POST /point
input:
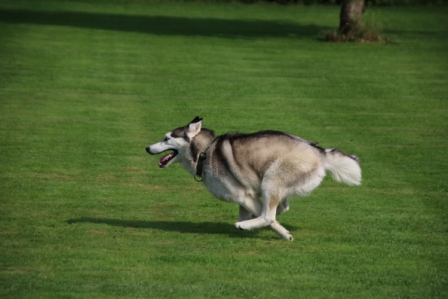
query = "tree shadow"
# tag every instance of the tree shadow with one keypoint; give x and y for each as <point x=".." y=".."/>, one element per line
<point x="161" y="25"/>
<point x="177" y="226"/>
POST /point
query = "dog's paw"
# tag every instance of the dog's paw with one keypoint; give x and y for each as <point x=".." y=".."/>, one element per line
<point x="286" y="236"/>
<point x="241" y="225"/>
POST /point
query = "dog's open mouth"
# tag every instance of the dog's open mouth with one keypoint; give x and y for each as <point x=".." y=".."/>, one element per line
<point x="167" y="158"/>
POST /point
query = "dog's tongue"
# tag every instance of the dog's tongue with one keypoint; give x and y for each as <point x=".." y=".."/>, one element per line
<point x="165" y="159"/>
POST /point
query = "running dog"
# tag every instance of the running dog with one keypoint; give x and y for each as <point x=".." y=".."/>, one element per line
<point x="258" y="171"/>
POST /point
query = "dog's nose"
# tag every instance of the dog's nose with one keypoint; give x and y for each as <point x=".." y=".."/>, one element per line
<point x="148" y="149"/>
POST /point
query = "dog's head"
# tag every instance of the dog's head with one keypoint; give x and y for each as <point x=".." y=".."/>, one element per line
<point x="178" y="142"/>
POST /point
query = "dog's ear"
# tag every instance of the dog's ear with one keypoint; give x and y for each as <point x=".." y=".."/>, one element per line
<point x="196" y="119"/>
<point x="194" y="127"/>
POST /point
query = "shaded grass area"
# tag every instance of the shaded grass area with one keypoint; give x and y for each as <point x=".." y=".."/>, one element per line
<point x="159" y="25"/>
<point x="85" y="212"/>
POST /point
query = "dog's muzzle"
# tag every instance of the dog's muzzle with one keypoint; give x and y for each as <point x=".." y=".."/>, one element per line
<point x="166" y="160"/>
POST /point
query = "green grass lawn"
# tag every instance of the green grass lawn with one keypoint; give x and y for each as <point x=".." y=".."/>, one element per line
<point x="85" y="86"/>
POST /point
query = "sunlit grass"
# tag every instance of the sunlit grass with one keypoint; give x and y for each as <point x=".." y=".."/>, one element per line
<point x="86" y="212"/>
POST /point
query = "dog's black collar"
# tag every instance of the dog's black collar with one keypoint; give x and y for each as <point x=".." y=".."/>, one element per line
<point x="199" y="165"/>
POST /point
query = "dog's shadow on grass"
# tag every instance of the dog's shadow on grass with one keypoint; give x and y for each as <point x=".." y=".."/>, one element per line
<point x="176" y="226"/>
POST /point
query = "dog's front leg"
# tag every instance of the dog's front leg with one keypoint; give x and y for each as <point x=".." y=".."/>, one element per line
<point x="244" y="214"/>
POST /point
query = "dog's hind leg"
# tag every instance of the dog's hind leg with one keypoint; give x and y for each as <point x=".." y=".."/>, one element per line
<point x="283" y="206"/>
<point x="252" y="207"/>
<point x="267" y="215"/>
<point x="281" y="230"/>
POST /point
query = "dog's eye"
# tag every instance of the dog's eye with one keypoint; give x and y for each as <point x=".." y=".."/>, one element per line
<point x="166" y="139"/>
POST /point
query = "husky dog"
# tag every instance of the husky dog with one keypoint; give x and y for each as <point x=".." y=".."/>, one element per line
<point x="258" y="171"/>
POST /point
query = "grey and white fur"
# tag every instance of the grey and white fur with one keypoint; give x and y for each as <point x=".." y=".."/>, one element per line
<point x="258" y="171"/>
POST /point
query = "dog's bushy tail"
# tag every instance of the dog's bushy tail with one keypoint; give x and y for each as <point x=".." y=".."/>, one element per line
<point x="342" y="167"/>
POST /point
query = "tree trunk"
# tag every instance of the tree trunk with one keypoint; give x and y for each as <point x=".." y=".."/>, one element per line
<point x="351" y="17"/>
